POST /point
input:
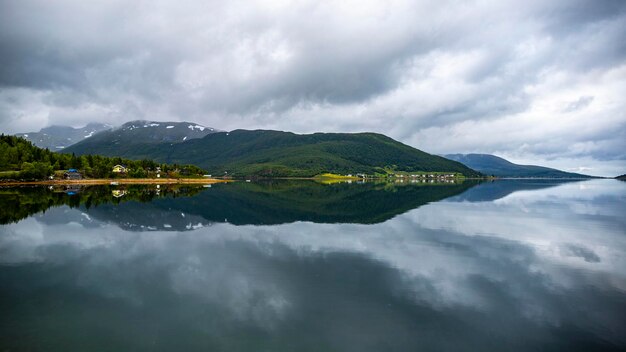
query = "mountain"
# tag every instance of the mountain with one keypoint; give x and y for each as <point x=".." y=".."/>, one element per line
<point x="123" y="139"/>
<point x="277" y="153"/>
<point x="59" y="137"/>
<point x="492" y="165"/>
<point x="622" y="177"/>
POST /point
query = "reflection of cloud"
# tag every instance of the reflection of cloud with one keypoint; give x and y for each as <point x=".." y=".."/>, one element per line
<point x="225" y="275"/>
<point x="572" y="250"/>
<point x="534" y="259"/>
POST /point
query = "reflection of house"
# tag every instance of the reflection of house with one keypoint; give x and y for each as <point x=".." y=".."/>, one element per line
<point x="71" y="189"/>
<point x="119" y="168"/>
<point x="118" y="193"/>
<point x="72" y="174"/>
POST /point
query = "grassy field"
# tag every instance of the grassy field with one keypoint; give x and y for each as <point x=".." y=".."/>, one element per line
<point x="336" y="176"/>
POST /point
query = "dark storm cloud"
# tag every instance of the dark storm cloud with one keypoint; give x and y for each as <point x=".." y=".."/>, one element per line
<point x="400" y="69"/>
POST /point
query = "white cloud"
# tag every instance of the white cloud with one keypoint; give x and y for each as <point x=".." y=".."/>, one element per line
<point x="538" y="81"/>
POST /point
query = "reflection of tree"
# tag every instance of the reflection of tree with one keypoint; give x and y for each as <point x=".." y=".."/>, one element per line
<point x="280" y="201"/>
<point x="270" y="202"/>
<point x="19" y="203"/>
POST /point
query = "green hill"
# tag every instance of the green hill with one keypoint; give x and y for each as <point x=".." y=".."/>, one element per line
<point x="492" y="165"/>
<point x="276" y="153"/>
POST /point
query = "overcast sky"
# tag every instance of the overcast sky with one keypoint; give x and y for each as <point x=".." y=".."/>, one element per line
<point x="539" y="82"/>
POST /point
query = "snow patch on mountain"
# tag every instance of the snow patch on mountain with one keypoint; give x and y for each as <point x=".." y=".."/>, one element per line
<point x="201" y="128"/>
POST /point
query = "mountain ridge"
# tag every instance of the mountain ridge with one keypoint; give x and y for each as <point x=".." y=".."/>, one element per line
<point x="57" y="137"/>
<point x="282" y="154"/>
<point x="146" y="131"/>
<point x="494" y="165"/>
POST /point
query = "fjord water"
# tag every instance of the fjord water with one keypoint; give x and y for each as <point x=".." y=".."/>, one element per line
<point x="303" y="266"/>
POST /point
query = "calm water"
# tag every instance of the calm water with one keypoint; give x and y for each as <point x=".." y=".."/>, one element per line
<point x="300" y="266"/>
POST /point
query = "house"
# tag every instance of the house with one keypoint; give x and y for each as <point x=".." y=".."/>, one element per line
<point x="119" y="169"/>
<point x="72" y="174"/>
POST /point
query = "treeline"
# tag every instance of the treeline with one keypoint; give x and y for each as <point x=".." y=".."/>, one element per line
<point x="21" y="160"/>
<point x="19" y="203"/>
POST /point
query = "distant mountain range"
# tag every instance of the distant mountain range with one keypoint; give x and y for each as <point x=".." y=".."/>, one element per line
<point x="272" y="153"/>
<point x="264" y="152"/>
<point x="124" y="139"/>
<point x="492" y="165"/>
<point x="58" y="137"/>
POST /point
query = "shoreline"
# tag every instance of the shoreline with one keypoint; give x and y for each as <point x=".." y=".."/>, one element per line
<point x="119" y="181"/>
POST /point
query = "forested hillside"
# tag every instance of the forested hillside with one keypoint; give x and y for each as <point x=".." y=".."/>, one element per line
<point x="21" y="160"/>
<point x="276" y="153"/>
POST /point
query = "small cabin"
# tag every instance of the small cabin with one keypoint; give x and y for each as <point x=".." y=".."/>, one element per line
<point x="119" y="169"/>
<point x="72" y="174"/>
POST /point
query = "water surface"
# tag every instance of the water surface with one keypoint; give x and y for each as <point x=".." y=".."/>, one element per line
<point x="301" y="266"/>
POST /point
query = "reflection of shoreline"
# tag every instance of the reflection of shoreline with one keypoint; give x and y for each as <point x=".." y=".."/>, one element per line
<point x="242" y="203"/>
<point x="126" y="181"/>
<point x="17" y="203"/>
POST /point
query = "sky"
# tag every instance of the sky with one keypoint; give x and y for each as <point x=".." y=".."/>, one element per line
<point x="538" y="82"/>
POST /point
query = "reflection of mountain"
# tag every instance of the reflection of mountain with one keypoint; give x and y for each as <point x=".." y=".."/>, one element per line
<point x="142" y="208"/>
<point x="490" y="191"/>
<point x="493" y="165"/>
<point x="279" y="202"/>
<point x="136" y="216"/>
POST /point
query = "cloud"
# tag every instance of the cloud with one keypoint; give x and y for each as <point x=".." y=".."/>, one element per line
<point x="441" y="76"/>
<point x="581" y="103"/>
